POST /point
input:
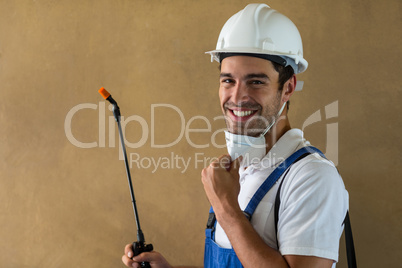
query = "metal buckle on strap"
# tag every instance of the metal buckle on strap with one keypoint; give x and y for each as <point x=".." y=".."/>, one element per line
<point x="211" y="220"/>
<point x="248" y="216"/>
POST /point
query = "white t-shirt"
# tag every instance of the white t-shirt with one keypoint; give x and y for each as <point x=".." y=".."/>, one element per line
<point x="313" y="205"/>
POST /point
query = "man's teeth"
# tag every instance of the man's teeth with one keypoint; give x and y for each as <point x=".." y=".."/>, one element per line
<point x="242" y="113"/>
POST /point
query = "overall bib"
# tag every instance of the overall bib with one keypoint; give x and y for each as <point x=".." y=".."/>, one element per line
<point x="218" y="257"/>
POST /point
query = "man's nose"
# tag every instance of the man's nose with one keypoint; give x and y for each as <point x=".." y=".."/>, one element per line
<point x="240" y="93"/>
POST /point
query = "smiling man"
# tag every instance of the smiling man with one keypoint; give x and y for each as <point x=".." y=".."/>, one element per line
<point x="276" y="201"/>
<point x="250" y="95"/>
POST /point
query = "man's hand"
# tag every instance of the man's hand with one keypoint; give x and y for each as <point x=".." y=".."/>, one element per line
<point x="155" y="259"/>
<point x="221" y="183"/>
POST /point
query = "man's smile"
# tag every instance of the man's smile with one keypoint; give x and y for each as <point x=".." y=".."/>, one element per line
<point x="241" y="114"/>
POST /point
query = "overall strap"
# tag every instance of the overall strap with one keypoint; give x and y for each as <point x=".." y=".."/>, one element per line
<point x="350" y="248"/>
<point x="209" y="231"/>
<point x="278" y="199"/>
<point x="275" y="175"/>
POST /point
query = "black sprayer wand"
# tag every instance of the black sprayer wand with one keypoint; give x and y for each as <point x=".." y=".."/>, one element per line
<point x="139" y="246"/>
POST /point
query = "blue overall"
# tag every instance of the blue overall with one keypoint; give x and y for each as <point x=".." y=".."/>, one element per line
<point x="218" y="257"/>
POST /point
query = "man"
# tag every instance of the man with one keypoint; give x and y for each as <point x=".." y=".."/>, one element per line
<point x="269" y="163"/>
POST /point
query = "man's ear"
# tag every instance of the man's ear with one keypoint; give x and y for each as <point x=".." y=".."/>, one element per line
<point x="289" y="88"/>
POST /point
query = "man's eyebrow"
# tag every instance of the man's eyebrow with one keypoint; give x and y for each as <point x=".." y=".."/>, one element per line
<point x="248" y="76"/>
<point x="225" y="75"/>
<point x="256" y="75"/>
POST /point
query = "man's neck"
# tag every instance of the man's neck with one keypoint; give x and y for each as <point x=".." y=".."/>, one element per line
<point x="277" y="131"/>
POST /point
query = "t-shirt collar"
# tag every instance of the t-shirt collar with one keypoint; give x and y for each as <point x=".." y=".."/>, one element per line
<point x="282" y="149"/>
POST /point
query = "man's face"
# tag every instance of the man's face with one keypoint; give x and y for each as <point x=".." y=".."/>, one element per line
<point x="249" y="94"/>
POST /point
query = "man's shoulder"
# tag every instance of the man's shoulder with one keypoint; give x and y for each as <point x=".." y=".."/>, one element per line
<point x="314" y="171"/>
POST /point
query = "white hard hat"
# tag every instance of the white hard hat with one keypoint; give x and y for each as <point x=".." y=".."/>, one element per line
<point x="259" y="29"/>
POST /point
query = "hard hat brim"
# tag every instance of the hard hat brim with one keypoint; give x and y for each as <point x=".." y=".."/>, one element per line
<point x="301" y="63"/>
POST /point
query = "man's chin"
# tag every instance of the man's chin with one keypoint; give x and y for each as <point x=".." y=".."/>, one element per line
<point x="235" y="131"/>
<point x="243" y="132"/>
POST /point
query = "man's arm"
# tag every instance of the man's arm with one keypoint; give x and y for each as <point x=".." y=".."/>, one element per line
<point x="221" y="184"/>
<point x="252" y="250"/>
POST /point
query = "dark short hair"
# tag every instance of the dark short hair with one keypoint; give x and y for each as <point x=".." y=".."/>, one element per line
<point x="285" y="73"/>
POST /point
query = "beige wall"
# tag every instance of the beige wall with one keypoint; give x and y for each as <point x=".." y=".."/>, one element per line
<point x="65" y="206"/>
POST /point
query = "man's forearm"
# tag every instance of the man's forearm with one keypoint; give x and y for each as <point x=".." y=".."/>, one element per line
<point x="248" y="245"/>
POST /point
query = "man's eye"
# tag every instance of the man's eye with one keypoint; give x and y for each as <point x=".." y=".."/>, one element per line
<point x="227" y="80"/>
<point x="257" y="82"/>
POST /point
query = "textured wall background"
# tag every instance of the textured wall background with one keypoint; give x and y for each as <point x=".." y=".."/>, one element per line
<point x="65" y="206"/>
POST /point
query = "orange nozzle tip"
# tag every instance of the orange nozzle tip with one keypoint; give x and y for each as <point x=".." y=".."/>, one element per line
<point x="104" y="93"/>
